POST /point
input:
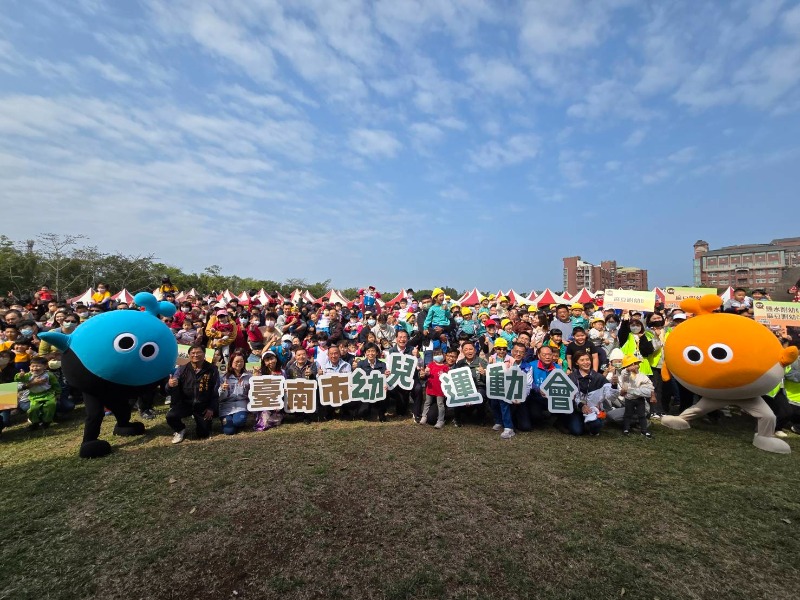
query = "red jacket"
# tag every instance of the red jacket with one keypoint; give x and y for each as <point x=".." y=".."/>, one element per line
<point x="434" y="386"/>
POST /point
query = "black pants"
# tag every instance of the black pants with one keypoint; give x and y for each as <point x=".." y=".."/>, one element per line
<point x="474" y="413"/>
<point x="782" y="409"/>
<point x="178" y="412"/>
<point x="95" y="411"/>
<point x="402" y="399"/>
<point x="662" y="391"/>
<point x="635" y="406"/>
<point x="538" y="415"/>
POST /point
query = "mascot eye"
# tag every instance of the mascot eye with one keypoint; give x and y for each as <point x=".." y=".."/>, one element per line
<point x="720" y="353"/>
<point x="693" y="355"/>
<point x="125" y="342"/>
<point x="148" y="351"/>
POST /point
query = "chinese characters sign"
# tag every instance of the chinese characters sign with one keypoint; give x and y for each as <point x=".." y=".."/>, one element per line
<point x="673" y="296"/>
<point x="506" y="384"/>
<point x="632" y="300"/>
<point x="777" y="313"/>
<point x="560" y="390"/>
<point x="459" y="388"/>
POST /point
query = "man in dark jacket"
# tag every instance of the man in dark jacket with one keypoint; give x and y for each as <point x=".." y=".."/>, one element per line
<point x="368" y="365"/>
<point x="194" y="389"/>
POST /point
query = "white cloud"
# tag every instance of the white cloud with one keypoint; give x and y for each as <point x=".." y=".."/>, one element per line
<point x="610" y="99"/>
<point x="374" y="143"/>
<point x="515" y="150"/>
<point x="683" y="156"/>
<point x="493" y="75"/>
<point x="635" y="138"/>
<point x="107" y="70"/>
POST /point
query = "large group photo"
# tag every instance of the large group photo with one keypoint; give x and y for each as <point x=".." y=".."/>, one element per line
<point x="399" y="299"/>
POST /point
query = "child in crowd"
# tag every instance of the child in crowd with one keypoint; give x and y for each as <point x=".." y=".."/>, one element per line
<point x="43" y="389"/>
<point x="353" y="327"/>
<point x="467" y="324"/>
<point x="433" y="388"/>
<point x="187" y="334"/>
<point x="507" y="331"/>
<point x="636" y="388"/>
<point x="556" y="342"/>
<point x="22" y="354"/>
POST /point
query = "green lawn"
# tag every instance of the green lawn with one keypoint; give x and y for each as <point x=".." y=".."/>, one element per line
<point x="369" y="510"/>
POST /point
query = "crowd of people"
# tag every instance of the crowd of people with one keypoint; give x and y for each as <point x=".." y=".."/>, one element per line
<point x="614" y="358"/>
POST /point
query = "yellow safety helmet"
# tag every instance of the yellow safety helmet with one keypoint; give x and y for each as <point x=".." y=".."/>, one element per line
<point x="500" y="343"/>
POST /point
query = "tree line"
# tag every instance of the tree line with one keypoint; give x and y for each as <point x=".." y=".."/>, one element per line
<point x="68" y="265"/>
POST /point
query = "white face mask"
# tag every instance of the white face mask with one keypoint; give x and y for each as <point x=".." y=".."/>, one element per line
<point x="371" y="322"/>
<point x="269" y="323"/>
<point x="438" y="358"/>
<point x="636" y="329"/>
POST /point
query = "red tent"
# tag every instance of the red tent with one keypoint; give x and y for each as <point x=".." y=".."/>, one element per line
<point x="532" y="295"/>
<point x="397" y="298"/>
<point x="517" y="298"/>
<point x="548" y="297"/>
<point x="334" y="296"/>
<point x="660" y="296"/>
<point x="243" y="298"/>
<point x="183" y="295"/>
<point x="566" y="296"/>
<point x="727" y="294"/>
<point x="123" y="296"/>
<point x="583" y="296"/>
<point x="85" y="297"/>
<point x="471" y="298"/>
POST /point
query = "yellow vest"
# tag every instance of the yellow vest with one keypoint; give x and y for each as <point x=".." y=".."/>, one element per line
<point x="657" y="355"/>
<point x="631" y="346"/>
<point x="792" y="389"/>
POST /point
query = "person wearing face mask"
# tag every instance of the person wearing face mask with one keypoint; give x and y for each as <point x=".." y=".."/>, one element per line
<point x="82" y="312"/>
<point x="272" y="335"/>
<point x="657" y="327"/>
<point x="383" y="331"/>
<point x="369" y="322"/>
<point x="283" y="351"/>
<point x="635" y="340"/>
<point x="68" y="325"/>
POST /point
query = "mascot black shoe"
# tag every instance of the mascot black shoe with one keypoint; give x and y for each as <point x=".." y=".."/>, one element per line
<point x="113" y="357"/>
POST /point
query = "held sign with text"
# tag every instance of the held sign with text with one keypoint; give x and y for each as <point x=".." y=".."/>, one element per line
<point x="673" y="296"/>
<point x="632" y="300"/>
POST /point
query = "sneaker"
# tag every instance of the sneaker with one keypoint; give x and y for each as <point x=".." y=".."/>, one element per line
<point x="626" y="432"/>
<point x="178" y="436"/>
<point x="647" y="435"/>
<point x="108" y="413"/>
<point x="781" y="434"/>
<point x="507" y="434"/>
<point x="168" y="400"/>
<point x="439" y="425"/>
<point x="416" y="419"/>
<point x="148" y="415"/>
<point x="422" y="421"/>
<point x="656" y="416"/>
<point x="795" y="429"/>
<point x="497" y="427"/>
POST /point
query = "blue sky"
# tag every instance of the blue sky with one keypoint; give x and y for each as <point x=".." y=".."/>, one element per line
<point x="402" y="143"/>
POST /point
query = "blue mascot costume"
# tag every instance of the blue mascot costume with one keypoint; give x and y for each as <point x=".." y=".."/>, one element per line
<point x="113" y="357"/>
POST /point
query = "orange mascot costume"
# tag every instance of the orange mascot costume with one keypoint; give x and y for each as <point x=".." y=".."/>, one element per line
<point x="726" y="359"/>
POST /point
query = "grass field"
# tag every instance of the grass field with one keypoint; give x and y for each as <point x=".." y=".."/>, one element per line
<point x="369" y="510"/>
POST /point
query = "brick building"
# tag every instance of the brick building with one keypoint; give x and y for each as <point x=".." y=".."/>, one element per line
<point x="581" y="274"/>
<point x="748" y="266"/>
